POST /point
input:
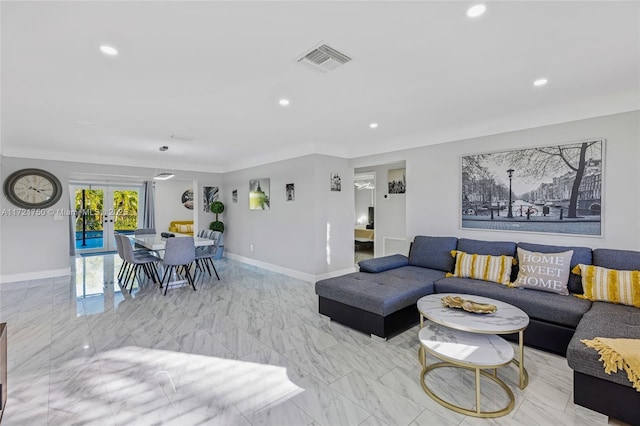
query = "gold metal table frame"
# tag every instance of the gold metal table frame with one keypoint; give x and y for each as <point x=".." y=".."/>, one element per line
<point x="479" y="371"/>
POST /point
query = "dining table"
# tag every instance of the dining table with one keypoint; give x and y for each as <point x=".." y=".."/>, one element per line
<point x="156" y="242"/>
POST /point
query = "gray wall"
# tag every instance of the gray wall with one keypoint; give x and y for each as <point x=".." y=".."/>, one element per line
<point x="169" y="202"/>
<point x="312" y="235"/>
<point x="40" y="244"/>
<point x="433" y="180"/>
<point x="434" y="208"/>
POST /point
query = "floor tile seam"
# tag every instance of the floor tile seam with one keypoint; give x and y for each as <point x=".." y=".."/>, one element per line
<point x="302" y="342"/>
<point x="322" y="380"/>
<point x="335" y="357"/>
<point x="319" y="421"/>
<point x="397" y="394"/>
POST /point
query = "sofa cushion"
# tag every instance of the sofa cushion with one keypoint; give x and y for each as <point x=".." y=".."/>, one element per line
<point x="433" y="252"/>
<point x="544" y="271"/>
<point x="482" y="267"/>
<point x="494" y="248"/>
<point x="580" y="255"/>
<point x="540" y="305"/>
<point x="610" y="285"/>
<point x="385" y="263"/>
<point x="383" y="293"/>
<point x="621" y="322"/>
<point x="617" y="259"/>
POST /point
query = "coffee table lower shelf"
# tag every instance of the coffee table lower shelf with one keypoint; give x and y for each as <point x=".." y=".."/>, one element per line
<point x="471" y="351"/>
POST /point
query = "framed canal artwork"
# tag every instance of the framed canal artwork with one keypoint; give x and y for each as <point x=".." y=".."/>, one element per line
<point x="552" y="189"/>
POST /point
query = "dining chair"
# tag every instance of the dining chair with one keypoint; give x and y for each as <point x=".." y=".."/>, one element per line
<point x="143" y="231"/>
<point x="204" y="233"/>
<point x="124" y="266"/>
<point x="179" y="252"/>
<point x="204" y="255"/>
<point x="138" y="261"/>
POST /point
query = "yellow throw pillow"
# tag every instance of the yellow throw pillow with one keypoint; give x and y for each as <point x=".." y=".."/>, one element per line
<point x="482" y="267"/>
<point x="609" y="285"/>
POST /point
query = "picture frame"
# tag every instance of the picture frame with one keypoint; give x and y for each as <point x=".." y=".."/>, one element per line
<point x="209" y="195"/>
<point x="548" y="189"/>
<point x="290" y="192"/>
<point x="336" y="183"/>
<point x="187" y="199"/>
<point x="259" y="194"/>
<point x="397" y="181"/>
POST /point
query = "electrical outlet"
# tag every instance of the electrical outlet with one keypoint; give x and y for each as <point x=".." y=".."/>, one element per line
<point x="251" y="248"/>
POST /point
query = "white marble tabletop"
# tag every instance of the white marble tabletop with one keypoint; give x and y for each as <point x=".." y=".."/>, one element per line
<point x="507" y="319"/>
<point x="483" y="350"/>
<point x="157" y="242"/>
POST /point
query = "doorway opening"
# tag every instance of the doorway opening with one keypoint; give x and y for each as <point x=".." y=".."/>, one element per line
<point x="365" y="199"/>
<point x="101" y="210"/>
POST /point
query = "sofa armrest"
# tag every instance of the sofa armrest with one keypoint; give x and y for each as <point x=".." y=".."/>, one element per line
<point x="385" y="263"/>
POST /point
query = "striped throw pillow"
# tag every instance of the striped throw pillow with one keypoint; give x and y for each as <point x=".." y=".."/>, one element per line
<point x="482" y="267"/>
<point x="609" y="285"/>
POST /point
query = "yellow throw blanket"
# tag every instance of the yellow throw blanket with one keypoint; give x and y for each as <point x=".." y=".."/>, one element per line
<point x="618" y="354"/>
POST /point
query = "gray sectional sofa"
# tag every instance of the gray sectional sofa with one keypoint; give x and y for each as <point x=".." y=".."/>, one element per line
<point x="381" y="299"/>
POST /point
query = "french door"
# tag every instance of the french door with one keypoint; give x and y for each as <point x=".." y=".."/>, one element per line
<point x="101" y="210"/>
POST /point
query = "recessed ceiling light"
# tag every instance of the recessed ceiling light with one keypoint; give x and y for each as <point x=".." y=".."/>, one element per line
<point x="284" y="102"/>
<point x="540" y="82"/>
<point x="477" y="10"/>
<point x="83" y="122"/>
<point x="373" y="125"/>
<point x="108" y="50"/>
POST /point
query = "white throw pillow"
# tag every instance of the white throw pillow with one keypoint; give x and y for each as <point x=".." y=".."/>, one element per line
<point x="544" y="271"/>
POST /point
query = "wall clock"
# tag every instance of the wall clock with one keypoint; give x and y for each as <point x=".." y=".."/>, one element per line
<point x="32" y="189"/>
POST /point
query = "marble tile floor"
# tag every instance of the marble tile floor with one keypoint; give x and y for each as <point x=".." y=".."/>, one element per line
<point x="250" y="349"/>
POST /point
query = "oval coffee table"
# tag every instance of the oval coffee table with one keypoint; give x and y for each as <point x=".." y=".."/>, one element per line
<point x="447" y="326"/>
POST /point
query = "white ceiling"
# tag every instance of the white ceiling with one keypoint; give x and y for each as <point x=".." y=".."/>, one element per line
<point x="216" y="70"/>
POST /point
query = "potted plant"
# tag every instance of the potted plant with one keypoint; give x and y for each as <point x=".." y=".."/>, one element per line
<point x="217" y="207"/>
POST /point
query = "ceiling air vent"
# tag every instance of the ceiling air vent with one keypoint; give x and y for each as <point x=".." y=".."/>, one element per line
<point x="323" y="59"/>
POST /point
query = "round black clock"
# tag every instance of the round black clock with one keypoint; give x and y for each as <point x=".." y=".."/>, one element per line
<point x="32" y="189"/>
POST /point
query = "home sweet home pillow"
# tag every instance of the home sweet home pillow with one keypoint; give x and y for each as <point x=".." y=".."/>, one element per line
<point x="544" y="271"/>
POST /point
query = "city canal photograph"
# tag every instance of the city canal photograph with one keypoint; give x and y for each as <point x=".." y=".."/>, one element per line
<point x="554" y="189"/>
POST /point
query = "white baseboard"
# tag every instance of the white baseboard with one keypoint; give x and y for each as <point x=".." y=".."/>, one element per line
<point x="335" y="273"/>
<point x="286" y="271"/>
<point x="37" y="275"/>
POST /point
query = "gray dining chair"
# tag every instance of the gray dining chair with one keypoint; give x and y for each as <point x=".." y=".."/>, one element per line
<point x="124" y="266"/>
<point x="178" y="254"/>
<point x="204" y="255"/>
<point x="143" y="231"/>
<point x="136" y="262"/>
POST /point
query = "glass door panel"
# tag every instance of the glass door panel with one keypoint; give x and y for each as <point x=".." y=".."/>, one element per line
<point x="101" y="210"/>
<point x="89" y="205"/>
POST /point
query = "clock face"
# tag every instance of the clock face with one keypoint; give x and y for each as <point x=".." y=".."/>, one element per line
<point x="32" y="188"/>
